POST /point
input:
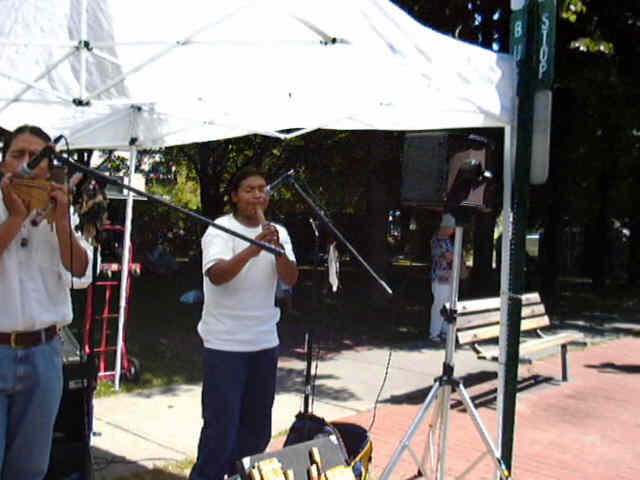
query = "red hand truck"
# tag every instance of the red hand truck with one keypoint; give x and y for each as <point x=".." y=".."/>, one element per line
<point x="111" y="241"/>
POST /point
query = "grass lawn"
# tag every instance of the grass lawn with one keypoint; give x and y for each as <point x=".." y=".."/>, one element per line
<point x="160" y="331"/>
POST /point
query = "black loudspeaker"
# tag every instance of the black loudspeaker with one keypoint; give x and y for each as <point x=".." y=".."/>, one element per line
<point x="431" y="163"/>
<point x="71" y="449"/>
<point x="298" y="457"/>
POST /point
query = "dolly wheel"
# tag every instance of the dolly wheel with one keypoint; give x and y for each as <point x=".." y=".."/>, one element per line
<point x="132" y="374"/>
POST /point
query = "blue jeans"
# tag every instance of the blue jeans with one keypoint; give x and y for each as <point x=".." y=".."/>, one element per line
<point x="30" y="392"/>
<point x="238" y="391"/>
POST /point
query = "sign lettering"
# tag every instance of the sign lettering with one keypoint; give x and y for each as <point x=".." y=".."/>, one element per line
<point x="544" y="46"/>
<point x="517" y="29"/>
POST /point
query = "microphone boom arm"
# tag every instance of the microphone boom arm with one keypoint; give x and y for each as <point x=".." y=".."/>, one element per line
<point x="91" y="172"/>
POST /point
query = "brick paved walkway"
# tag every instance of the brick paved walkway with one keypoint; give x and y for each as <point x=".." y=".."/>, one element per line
<point x="588" y="428"/>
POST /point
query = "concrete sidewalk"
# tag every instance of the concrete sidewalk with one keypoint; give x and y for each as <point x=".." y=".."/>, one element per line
<point x="137" y="431"/>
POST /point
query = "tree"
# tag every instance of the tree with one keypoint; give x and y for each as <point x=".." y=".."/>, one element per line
<point x="481" y="22"/>
<point x="594" y="132"/>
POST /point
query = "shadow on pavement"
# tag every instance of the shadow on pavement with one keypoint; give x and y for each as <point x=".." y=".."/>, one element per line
<point x="106" y="465"/>
<point x="596" y="325"/>
<point x="291" y="380"/>
<point x="486" y="398"/>
<point x="610" y="367"/>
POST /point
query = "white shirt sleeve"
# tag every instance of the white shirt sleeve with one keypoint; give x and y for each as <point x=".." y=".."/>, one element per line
<point x="285" y="240"/>
<point x="216" y="245"/>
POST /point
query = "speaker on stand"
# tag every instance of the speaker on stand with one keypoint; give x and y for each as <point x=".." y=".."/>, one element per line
<point x="433" y="161"/>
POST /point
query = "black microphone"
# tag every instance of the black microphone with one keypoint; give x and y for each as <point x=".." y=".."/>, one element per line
<point x="271" y="187"/>
<point x="27" y="170"/>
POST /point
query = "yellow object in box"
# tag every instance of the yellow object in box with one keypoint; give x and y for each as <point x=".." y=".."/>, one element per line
<point x="315" y="457"/>
<point x="271" y="469"/>
<point x="314" y="474"/>
<point x="341" y="472"/>
<point x="254" y="474"/>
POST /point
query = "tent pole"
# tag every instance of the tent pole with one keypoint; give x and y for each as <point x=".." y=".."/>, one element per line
<point x="83" y="51"/>
<point x="124" y="272"/>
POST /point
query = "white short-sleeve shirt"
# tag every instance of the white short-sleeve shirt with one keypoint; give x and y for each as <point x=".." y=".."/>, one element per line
<point x="34" y="285"/>
<point x="240" y="315"/>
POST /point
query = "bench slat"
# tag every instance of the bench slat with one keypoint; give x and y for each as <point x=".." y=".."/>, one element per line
<point x="473" y="320"/>
<point x="533" y="346"/>
<point x="538" y="344"/>
<point x="493" y="303"/>
<point x="493" y="331"/>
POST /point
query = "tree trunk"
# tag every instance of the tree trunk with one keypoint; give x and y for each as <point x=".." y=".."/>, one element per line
<point x="379" y="202"/>
<point x="211" y="197"/>
<point x="482" y="277"/>
<point x="633" y="268"/>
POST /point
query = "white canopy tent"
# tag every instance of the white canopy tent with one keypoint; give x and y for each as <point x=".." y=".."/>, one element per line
<point x="201" y="70"/>
<point x="124" y="74"/>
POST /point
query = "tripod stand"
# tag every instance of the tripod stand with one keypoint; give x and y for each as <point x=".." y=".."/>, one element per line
<point x="443" y="386"/>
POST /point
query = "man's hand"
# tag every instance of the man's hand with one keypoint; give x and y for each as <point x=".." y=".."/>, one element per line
<point x="272" y="237"/>
<point x="17" y="208"/>
<point x="269" y="234"/>
<point x="59" y="194"/>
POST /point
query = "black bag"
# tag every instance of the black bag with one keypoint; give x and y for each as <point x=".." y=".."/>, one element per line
<point x="353" y="440"/>
<point x="308" y="426"/>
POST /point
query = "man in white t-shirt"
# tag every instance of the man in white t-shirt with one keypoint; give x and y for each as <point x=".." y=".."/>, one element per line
<point x="37" y="262"/>
<point x="238" y="329"/>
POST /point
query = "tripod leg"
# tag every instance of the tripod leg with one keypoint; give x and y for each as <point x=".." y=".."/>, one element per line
<point x="501" y="468"/>
<point x="444" y="426"/>
<point x="430" y="455"/>
<point x="405" y="443"/>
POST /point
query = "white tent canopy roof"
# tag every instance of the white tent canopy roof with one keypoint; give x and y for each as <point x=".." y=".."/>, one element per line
<point x="167" y="73"/>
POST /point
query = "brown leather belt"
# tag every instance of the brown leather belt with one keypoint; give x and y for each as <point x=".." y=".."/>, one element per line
<point x="28" y="339"/>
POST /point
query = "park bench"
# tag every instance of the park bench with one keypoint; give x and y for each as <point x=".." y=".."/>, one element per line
<point x="478" y="325"/>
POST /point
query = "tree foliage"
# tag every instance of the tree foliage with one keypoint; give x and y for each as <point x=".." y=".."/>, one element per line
<point x="594" y="134"/>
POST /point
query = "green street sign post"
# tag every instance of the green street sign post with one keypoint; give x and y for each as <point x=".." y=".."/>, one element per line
<point x="532" y="45"/>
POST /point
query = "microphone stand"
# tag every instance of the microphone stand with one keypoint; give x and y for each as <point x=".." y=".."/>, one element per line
<point x="338" y="235"/>
<point x="316" y="258"/>
<point x="105" y="178"/>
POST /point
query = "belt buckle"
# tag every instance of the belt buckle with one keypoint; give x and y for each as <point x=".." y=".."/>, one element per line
<point x="12" y="340"/>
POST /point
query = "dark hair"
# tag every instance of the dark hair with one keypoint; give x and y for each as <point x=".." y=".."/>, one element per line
<point x="31" y="129"/>
<point x="239" y="177"/>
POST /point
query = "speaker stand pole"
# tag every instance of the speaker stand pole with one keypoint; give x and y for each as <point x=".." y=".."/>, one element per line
<point x="442" y="388"/>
